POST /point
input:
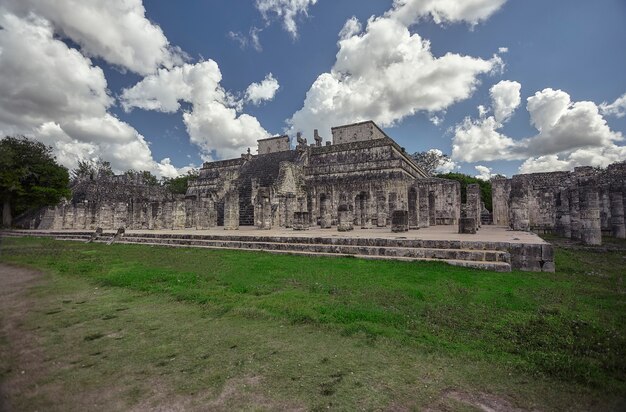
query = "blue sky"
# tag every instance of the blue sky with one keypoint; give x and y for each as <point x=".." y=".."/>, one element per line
<point x="558" y="53"/>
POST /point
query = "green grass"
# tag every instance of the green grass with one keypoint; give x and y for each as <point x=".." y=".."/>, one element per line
<point x="565" y="330"/>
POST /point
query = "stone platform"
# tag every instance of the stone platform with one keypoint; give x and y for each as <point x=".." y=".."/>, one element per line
<point x="492" y="248"/>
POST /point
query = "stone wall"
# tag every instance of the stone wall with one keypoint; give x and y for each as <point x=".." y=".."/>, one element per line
<point x="356" y="132"/>
<point x="583" y="204"/>
<point x="273" y="144"/>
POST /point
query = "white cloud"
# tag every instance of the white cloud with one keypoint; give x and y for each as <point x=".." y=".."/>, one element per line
<point x="476" y="140"/>
<point x="213" y="123"/>
<point x="484" y="173"/>
<point x="287" y="10"/>
<point x="385" y="74"/>
<point x="252" y="39"/>
<point x="617" y="108"/>
<point x="116" y="30"/>
<point x="60" y="98"/>
<point x="444" y="11"/>
<point x="592" y="156"/>
<point x="570" y="134"/>
<point x="502" y="50"/>
<point x="351" y="28"/>
<point x="264" y="91"/>
<point x="505" y="98"/>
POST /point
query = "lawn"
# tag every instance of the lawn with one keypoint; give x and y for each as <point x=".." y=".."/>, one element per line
<point x="286" y="332"/>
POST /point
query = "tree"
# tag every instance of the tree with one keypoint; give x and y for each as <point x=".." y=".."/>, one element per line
<point x="485" y="186"/>
<point x="30" y="177"/>
<point x="430" y="160"/>
<point x="179" y="185"/>
<point x="92" y="169"/>
<point x="145" y="176"/>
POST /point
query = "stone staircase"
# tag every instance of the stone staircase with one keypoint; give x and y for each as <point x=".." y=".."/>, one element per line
<point x="482" y="255"/>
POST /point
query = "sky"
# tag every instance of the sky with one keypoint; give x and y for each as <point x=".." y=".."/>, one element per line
<point x="501" y="86"/>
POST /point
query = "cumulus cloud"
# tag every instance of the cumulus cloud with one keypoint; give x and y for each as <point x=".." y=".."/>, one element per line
<point x="448" y="11"/>
<point x="263" y="91"/>
<point x="287" y="10"/>
<point x="569" y="134"/>
<point x="484" y="173"/>
<point x="213" y="123"/>
<point x="115" y="30"/>
<point x="617" y="108"/>
<point x="60" y="98"/>
<point x="505" y="97"/>
<point x="385" y="73"/>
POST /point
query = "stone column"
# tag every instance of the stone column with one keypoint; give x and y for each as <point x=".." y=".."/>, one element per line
<point x="590" y="229"/>
<point x="424" y="214"/>
<point x="432" y="209"/>
<point x="518" y="217"/>
<point x="345" y="219"/>
<point x="231" y="210"/>
<point x="500" y="193"/>
<point x="574" y="208"/>
<point x="563" y="224"/>
<point x="473" y="203"/>
<point x="618" y="228"/>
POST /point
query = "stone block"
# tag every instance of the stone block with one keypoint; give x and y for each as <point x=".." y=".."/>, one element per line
<point x="301" y="221"/>
<point x="399" y="221"/>
<point x="467" y="225"/>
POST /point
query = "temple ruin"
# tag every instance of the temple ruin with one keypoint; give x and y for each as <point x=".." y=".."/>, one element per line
<point x="585" y="204"/>
<point x="358" y="180"/>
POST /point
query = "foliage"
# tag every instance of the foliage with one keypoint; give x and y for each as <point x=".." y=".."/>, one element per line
<point x="178" y="185"/>
<point x="145" y="176"/>
<point x="430" y="160"/>
<point x="30" y="177"/>
<point x="485" y="186"/>
<point x="91" y="169"/>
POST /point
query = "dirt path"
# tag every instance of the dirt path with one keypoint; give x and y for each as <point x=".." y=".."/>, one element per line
<point x="19" y="358"/>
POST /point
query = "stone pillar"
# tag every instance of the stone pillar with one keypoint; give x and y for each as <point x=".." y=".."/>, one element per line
<point x="231" y="210"/>
<point x="326" y="217"/>
<point x="618" y="228"/>
<point x="473" y="203"/>
<point x="178" y="214"/>
<point x="345" y="219"/>
<point x="590" y="229"/>
<point x="206" y="215"/>
<point x="605" y="210"/>
<point x="574" y="213"/>
<point x="381" y="214"/>
<point x="563" y="226"/>
<point x="518" y="218"/>
<point x="432" y="209"/>
<point x="422" y="200"/>
<point x="500" y="193"/>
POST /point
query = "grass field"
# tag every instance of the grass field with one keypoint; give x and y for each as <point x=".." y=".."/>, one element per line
<point x="137" y="326"/>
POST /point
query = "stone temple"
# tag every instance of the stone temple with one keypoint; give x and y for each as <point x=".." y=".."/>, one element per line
<point x="360" y="194"/>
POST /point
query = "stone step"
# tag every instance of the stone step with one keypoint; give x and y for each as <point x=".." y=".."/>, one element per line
<point x="484" y="265"/>
<point x="388" y="251"/>
<point x="327" y="240"/>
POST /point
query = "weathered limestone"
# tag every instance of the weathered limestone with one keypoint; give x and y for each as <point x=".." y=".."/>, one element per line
<point x="346" y="220"/>
<point x="364" y="169"/>
<point x="467" y="225"/>
<point x="400" y="221"/>
<point x="473" y="204"/>
<point x="231" y="210"/>
<point x="301" y="221"/>
<point x="584" y="204"/>
<point x="618" y="228"/>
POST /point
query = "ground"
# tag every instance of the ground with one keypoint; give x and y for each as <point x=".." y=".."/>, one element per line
<point x="131" y="327"/>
